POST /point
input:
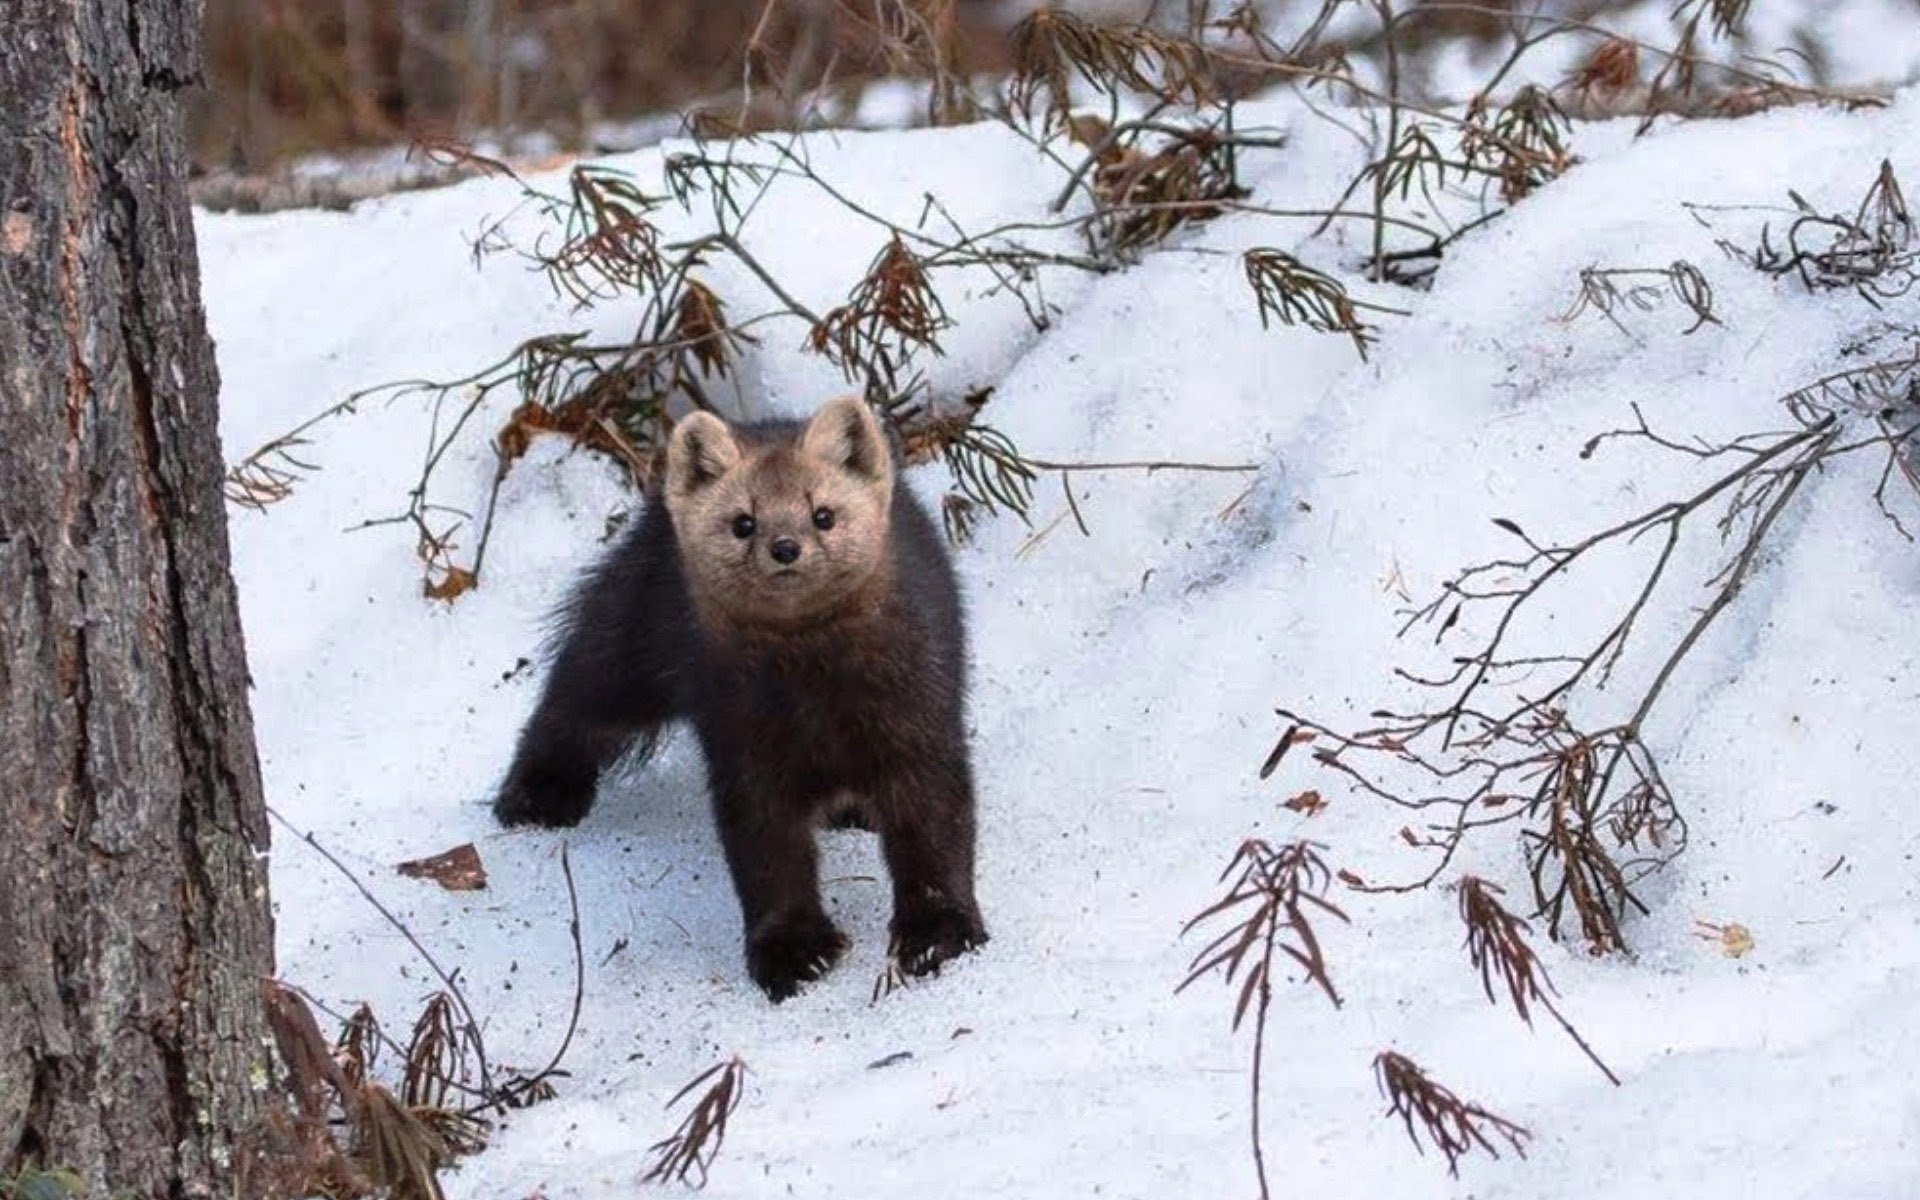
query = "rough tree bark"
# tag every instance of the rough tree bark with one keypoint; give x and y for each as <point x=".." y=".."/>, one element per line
<point x="134" y="926"/>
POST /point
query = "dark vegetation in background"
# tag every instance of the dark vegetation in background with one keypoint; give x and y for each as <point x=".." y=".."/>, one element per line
<point x="291" y="77"/>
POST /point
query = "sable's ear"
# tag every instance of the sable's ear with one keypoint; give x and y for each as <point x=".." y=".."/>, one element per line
<point x="846" y="434"/>
<point x="700" y="451"/>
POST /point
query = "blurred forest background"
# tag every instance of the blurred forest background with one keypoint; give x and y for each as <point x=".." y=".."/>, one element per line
<point x="294" y="77"/>
<point x="291" y="79"/>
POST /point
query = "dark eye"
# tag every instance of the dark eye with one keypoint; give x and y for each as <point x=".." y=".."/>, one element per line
<point x="823" y="518"/>
<point x="743" y="526"/>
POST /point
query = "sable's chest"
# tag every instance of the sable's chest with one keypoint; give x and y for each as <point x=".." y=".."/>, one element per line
<point x="829" y="701"/>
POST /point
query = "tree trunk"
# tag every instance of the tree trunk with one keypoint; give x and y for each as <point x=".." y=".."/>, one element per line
<point x="134" y="924"/>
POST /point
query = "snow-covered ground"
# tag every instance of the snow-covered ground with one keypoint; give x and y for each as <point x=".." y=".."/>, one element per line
<point x="1123" y="704"/>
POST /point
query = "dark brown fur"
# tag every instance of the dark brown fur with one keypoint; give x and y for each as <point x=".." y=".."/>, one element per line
<point x="830" y="689"/>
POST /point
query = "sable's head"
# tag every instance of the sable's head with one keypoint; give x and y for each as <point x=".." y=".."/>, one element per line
<point x="778" y="528"/>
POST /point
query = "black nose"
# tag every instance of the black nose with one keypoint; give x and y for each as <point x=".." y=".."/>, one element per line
<point x="784" y="550"/>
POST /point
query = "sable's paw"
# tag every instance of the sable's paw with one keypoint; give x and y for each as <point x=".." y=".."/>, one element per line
<point x="797" y="950"/>
<point x="925" y="938"/>
<point x="524" y="803"/>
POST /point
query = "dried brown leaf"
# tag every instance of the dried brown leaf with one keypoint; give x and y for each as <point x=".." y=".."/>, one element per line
<point x="457" y="870"/>
<point x="1308" y="803"/>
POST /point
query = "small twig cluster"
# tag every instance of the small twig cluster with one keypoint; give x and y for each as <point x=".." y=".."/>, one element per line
<point x="344" y="1133"/>
<point x="989" y="476"/>
<point x="268" y="474"/>
<point x="1523" y="147"/>
<point x="1677" y="75"/>
<point x="687" y="1154"/>
<point x="891" y="316"/>
<point x="1151" y="177"/>
<point x="1498" y="948"/>
<point x="1052" y="47"/>
<point x="1453" y="1125"/>
<point x="1880" y="403"/>
<point x="1272" y="898"/>
<point x="1875" y="251"/>
<point x="447" y="1053"/>
<point x="1292" y="293"/>
<point x="1610" y="291"/>
<point x="1271" y="894"/>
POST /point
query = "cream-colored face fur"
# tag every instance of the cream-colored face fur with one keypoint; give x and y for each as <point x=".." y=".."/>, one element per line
<point x="781" y="530"/>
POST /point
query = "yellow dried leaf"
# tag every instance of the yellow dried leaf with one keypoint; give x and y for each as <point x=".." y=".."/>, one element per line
<point x="1734" y="939"/>
<point x="457" y="582"/>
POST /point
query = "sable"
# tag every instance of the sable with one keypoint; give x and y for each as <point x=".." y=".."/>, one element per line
<point x="782" y="595"/>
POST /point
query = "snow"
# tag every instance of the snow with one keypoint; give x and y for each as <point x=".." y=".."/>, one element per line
<point x="1124" y="696"/>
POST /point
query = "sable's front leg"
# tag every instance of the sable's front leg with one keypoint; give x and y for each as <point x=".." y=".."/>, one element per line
<point x="776" y="873"/>
<point x="592" y="707"/>
<point x="925" y="821"/>
<point x="556" y="767"/>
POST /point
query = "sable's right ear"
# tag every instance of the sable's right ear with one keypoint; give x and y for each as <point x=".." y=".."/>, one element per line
<point x="700" y="451"/>
<point x="846" y="434"/>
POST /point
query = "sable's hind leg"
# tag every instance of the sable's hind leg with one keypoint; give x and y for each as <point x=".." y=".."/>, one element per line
<point x="776" y="873"/>
<point x="925" y="821"/>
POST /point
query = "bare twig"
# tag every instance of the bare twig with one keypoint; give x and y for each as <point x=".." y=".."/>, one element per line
<point x="1608" y="291"/>
<point x="1500" y="746"/>
<point x="687" y="1154"/>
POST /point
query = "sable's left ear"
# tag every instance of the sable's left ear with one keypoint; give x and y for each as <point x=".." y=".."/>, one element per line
<point x="847" y="434"/>
<point x="700" y="450"/>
